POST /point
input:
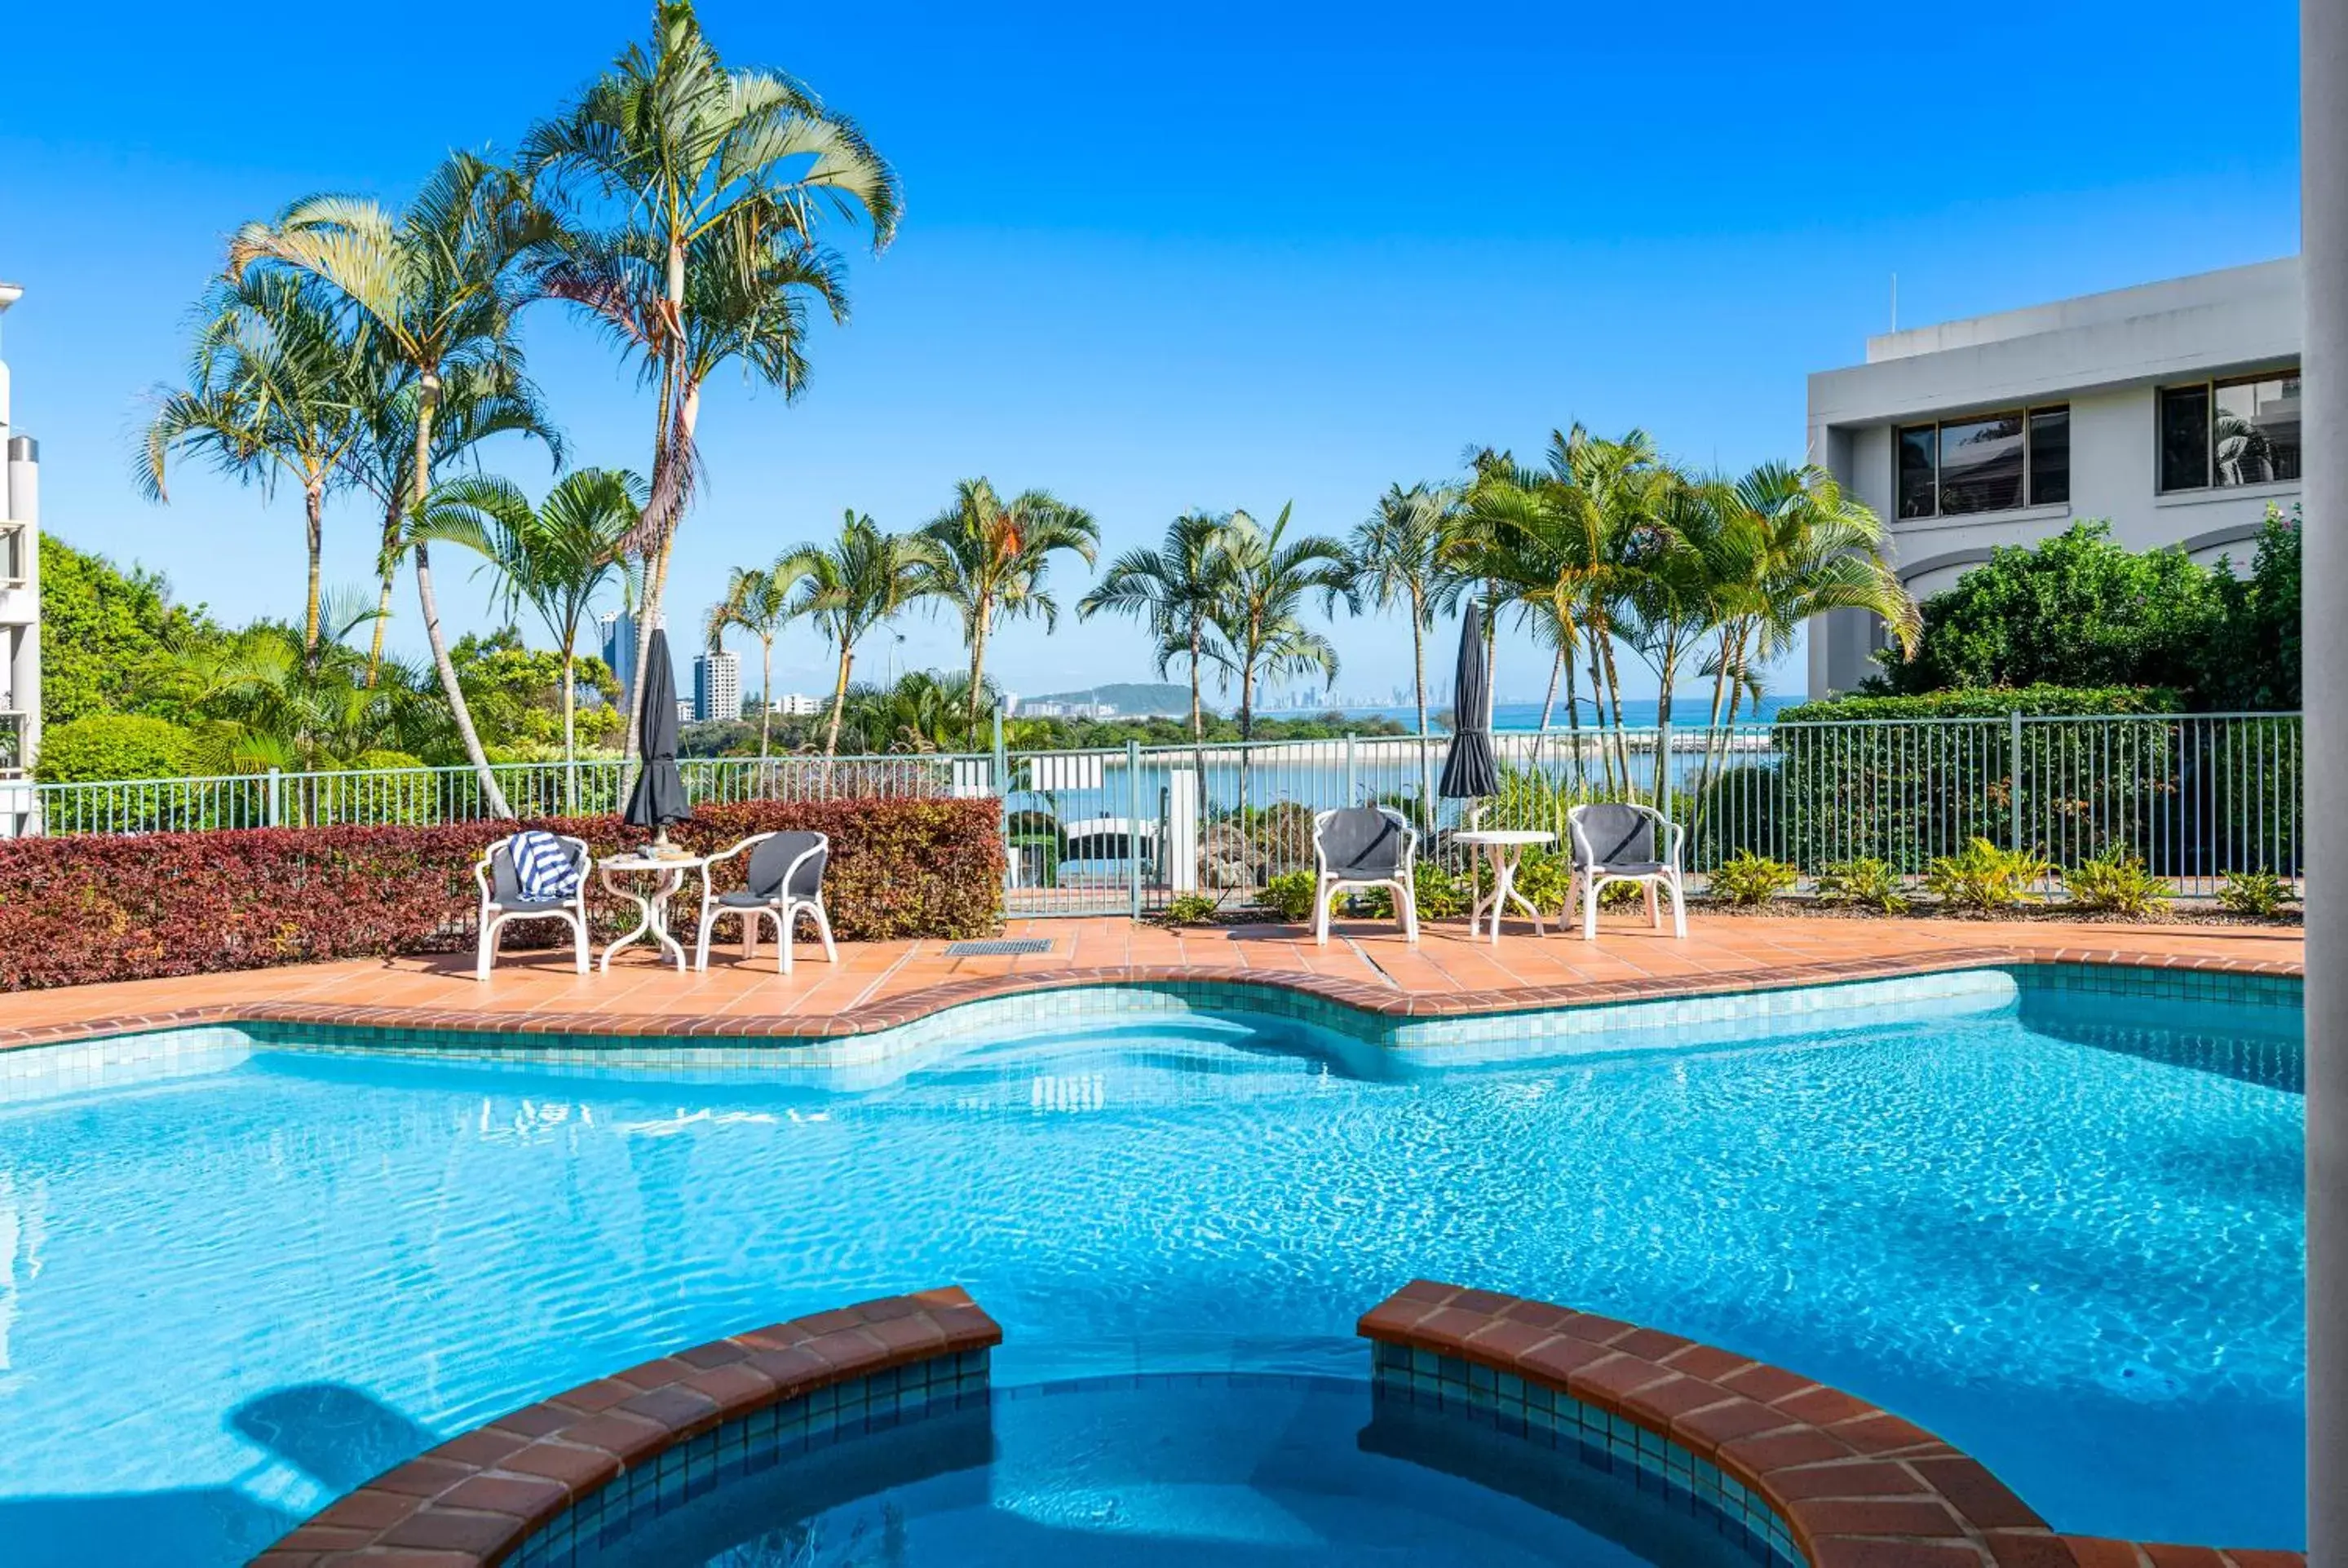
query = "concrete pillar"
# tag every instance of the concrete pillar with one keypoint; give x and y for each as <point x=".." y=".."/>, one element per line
<point x="2323" y="205"/>
<point x="24" y="496"/>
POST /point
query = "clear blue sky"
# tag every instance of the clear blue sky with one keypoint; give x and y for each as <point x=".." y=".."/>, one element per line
<point x="1216" y="256"/>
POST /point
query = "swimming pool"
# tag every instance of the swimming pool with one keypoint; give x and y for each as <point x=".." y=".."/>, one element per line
<point x="1265" y="1469"/>
<point x="2056" y="1217"/>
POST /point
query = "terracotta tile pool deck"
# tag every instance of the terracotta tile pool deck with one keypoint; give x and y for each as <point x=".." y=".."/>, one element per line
<point x="876" y="984"/>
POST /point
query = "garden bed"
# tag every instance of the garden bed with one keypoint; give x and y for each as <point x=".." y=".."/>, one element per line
<point x="76" y="910"/>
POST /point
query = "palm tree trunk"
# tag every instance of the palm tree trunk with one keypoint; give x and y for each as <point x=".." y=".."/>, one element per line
<point x="1614" y="699"/>
<point x="1246" y="730"/>
<point x="313" y="506"/>
<point x="977" y="671"/>
<point x="1198" y="751"/>
<point x="1574" y="725"/>
<point x="1598" y="704"/>
<point x="1418" y="690"/>
<point x="1549" y="707"/>
<point x="1197" y="718"/>
<point x="1668" y="668"/>
<point x="671" y="437"/>
<point x="839" y="697"/>
<point x="387" y="569"/>
<point x="492" y="797"/>
<point x="570" y="728"/>
<point x="765" y="692"/>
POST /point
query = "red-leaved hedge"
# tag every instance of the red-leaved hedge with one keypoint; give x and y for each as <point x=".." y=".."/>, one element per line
<point x="78" y="909"/>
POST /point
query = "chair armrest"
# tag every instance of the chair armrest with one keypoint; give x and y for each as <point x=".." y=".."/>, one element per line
<point x="481" y="874"/>
<point x="1676" y="835"/>
<point x="707" y="891"/>
<point x="822" y="846"/>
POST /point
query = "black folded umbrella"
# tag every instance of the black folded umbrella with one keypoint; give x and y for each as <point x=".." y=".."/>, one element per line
<point x="658" y="798"/>
<point x="1468" y="772"/>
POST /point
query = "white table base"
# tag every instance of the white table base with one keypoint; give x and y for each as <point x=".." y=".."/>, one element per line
<point x="651" y="912"/>
<point x="1504" y="859"/>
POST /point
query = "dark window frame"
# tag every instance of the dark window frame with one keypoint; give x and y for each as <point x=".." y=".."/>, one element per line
<point x="2210" y="388"/>
<point x="2026" y="414"/>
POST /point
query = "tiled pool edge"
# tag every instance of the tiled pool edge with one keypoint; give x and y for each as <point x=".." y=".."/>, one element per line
<point x="585" y="1464"/>
<point x="1789" y="1462"/>
<point x="914" y="1005"/>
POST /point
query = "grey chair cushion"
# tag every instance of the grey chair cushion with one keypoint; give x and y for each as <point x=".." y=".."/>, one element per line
<point x="506" y="906"/>
<point x="1362" y="842"/>
<point x="1619" y="838"/>
<point x="771" y="859"/>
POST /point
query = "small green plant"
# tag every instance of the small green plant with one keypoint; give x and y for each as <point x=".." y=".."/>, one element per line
<point x="1441" y="895"/>
<point x="1288" y="895"/>
<point x="1751" y="880"/>
<point x="1541" y="878"/>
<point x="2116" y="883"/>
<point x="1191" y="909"/>
<point x="2259" y="893"/>
<point x="1862" y="885"/>
<point x="1985" y="878"/>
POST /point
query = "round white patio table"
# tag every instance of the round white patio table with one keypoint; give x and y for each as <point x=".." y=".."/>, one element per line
<point x="652" y="906"/>
<point x="1505" y="847"/>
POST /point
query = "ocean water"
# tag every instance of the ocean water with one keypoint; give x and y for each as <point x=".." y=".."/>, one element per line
<point x="1692" y="708"/>
<point x="2070" y="1242"/>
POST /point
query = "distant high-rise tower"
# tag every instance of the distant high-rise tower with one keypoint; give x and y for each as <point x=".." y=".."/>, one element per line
<point x="716" y="687"/>
<point x="20" y="612"/>
<point x="619" y="629"/>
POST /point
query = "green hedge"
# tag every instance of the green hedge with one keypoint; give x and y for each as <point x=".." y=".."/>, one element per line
<point x="1990" y="702"/>
<point x="81" y="910"/>
<point x="112" y="746"/>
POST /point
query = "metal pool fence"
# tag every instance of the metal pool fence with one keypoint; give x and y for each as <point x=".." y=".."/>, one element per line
<point x="1125" y="829"/>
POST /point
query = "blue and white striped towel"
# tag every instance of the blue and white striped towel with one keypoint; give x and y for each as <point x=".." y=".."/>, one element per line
<point x="544" y="866"/>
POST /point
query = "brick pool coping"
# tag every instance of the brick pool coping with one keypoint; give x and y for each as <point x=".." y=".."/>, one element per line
<point x="909" y="1007"/>
<point x="472" y="1501"/>
<point x="1858" y="1486"/>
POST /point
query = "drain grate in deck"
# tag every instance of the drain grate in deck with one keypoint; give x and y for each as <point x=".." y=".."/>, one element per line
<point x="1004" y="947"/>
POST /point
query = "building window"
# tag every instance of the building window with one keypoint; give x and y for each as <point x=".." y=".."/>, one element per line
<point x="2218" y="434"/>
<point x="2050" y="456"/>
<point x="1987" y="463"/>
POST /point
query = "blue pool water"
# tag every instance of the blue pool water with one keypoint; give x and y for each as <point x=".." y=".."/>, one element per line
<point x="2067" y="1234"/>
<point x="1250" y="1469"/>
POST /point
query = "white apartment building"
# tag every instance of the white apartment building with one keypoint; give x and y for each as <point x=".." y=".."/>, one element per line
<point x="2170" y="409"/>
<point x="20" y="609"/>
<point x="717" y="686"/>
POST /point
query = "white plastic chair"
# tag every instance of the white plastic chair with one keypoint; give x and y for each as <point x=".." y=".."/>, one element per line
<point x="502" y="900"/>
<point x="785" y="881"/>
<point x="1364" y="846"/>
<point x="1614" y="841"/>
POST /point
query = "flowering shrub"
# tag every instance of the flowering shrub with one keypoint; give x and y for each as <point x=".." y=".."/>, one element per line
<point x="79" y="909"/>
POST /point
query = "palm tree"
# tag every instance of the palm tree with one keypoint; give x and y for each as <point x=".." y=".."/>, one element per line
<point x="1259" y="620"/>
<point x="273" y="389"/>
<point x="852" y="585"/>
<point x="1263" y="634"/>
<point x="1796" y="545"/>
<point x="1398" y="556"/>
<point x="477" y="402"/>
<point x="1561" y="540"/>
<point x="435" y="289"/>
<point x="556" y="557"/>
<point x="263" y="698"/>
<point x="758" y="602"/>
<point x="1174" y="589"/>
<point x="713" y="183"/>
<point x="993" y="559"/>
